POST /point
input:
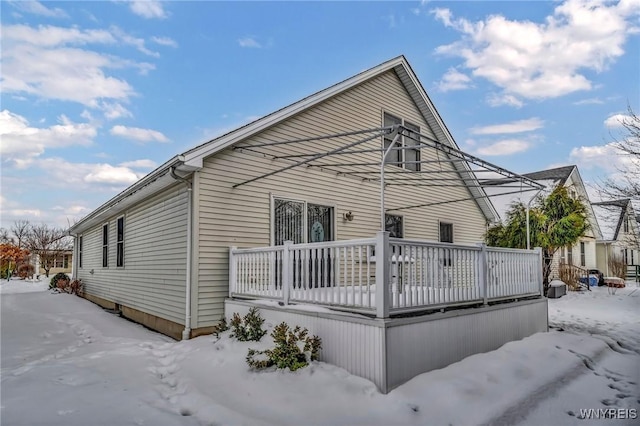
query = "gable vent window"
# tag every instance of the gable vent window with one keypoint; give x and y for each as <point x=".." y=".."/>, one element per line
<point x="409" y="157"/>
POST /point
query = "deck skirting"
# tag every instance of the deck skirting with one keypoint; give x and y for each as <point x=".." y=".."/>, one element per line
<point x="391" y="351"/>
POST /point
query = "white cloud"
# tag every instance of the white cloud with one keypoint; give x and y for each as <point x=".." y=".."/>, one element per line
<point x="605" y="157"/>
<point x="44" y="62"/>
<point x="249" y="42"/>
<point x="589" y="101"/>
<point x="136" y="42"/>
<point x="50" y="36"/>
<point x="496" y="100"/>
<point x="138" y="134"/>
<point x="617" y="120"/>
<point x="105" y="173"/>
<point x="164" y="41"/>
<point x="518" y="126"/>
<point x="37" y="8"/>
<point x="22" y="142"/>
<point x="114" y="110"/>
<point x="82" y="176"/>
<point x="140" y="164"/>
<point x="504" y="147"/>
<point x="453" y="80"/>
<point x="149" y="9"/>
<point x="543" y="60"/>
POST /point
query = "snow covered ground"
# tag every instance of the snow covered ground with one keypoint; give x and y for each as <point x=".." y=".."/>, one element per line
<point x="65" y="361"/>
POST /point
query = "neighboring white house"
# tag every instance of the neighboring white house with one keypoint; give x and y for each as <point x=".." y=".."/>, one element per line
<point x="620" y="233"/>
<point x="583" y="253"/>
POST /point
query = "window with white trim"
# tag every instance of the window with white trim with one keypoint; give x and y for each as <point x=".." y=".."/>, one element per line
<point x="570" y="255"/>
<point x="394" y="225"/>
<point x="446" y="232"/>
<point x="408" y="158"/>
<point x="583" y="260"/>
<point x="105" y="245"/>
<point x="120" y="242"/>
<point x="302" y="222"/>
<point x="80" y="251"/>
<point x="446" y="236"/>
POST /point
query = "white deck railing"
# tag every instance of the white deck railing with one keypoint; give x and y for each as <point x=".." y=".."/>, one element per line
<point x="384" y="275"/>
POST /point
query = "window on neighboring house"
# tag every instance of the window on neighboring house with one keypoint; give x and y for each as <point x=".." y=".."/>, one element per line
<point x="80" y="251"/>
<point x="120" y="242"/>
<point x="393" y="224"/>
<point x="563" y="255"/>
<point x="582" y="254"/>
<point x="105" y="245"/>
<point x="625" y="223"/>
<point x="61" y="261"/>
<point x="570" y="255"/>
<point x="625" y="254"/>
<point x="408" y="158"/>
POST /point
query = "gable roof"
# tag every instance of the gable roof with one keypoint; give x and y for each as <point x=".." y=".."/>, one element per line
<point x="559" y="175"/>
<point x="610" y="215"/>
<point x="192" y="159"/>
<point x="550" y="178"/>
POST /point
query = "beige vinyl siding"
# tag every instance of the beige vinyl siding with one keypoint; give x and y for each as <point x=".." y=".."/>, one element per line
<point x="153" y="277"/>
<point x="228" y="216"/>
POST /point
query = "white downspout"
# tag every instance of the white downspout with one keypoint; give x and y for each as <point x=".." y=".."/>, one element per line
<point x="186" y="333"/>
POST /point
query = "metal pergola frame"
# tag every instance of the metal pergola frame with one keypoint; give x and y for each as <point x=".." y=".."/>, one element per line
<point x="464" y="174"/>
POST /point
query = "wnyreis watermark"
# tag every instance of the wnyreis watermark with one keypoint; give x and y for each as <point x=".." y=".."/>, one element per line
<point x="608" y="413"/>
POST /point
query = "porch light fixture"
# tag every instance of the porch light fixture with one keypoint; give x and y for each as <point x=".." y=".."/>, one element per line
<point x="348" y="216"/>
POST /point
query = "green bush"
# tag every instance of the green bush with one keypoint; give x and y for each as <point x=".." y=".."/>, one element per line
<point x="249" y="327"/>
<point x="294" y="349"/>
<point x="222" y="326"/>
<point x="57" y="277"/>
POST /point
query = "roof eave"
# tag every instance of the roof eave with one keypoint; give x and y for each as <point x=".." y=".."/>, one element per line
<point x="149" y="185"/>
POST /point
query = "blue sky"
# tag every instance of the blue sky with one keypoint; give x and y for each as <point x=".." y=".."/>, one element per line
<point x="94" y="95"/>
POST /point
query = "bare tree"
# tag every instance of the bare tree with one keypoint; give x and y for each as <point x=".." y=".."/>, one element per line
<point x="47" y="242"/>
<point x="5" y="237"/>
<point x="20" y="229"/>
<point x="628" y="146"/>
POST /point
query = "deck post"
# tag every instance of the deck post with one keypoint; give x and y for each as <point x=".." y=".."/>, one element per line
<point x="286" y="271"/>
<point x="382" y="274"/>
<point x="483" y="269"/>
<point x="540" y="275"/>
<point x="233" y="270"/>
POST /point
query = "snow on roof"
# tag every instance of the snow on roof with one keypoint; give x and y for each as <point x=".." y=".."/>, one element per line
<point x="608" y="218"/>
<point x="609" y="215"/>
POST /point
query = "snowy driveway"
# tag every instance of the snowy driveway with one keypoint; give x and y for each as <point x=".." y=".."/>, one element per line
<point x="65" y="361"/>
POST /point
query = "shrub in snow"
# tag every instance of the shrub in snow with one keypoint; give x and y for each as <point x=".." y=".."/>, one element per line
<point x="26" y="270"/>
<point x="294" y="349"/>
<point x="221" y="327"/>
<point x="249" y="327"/>
<point x="71" y="287"/>
<point x="60" y="276"/>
